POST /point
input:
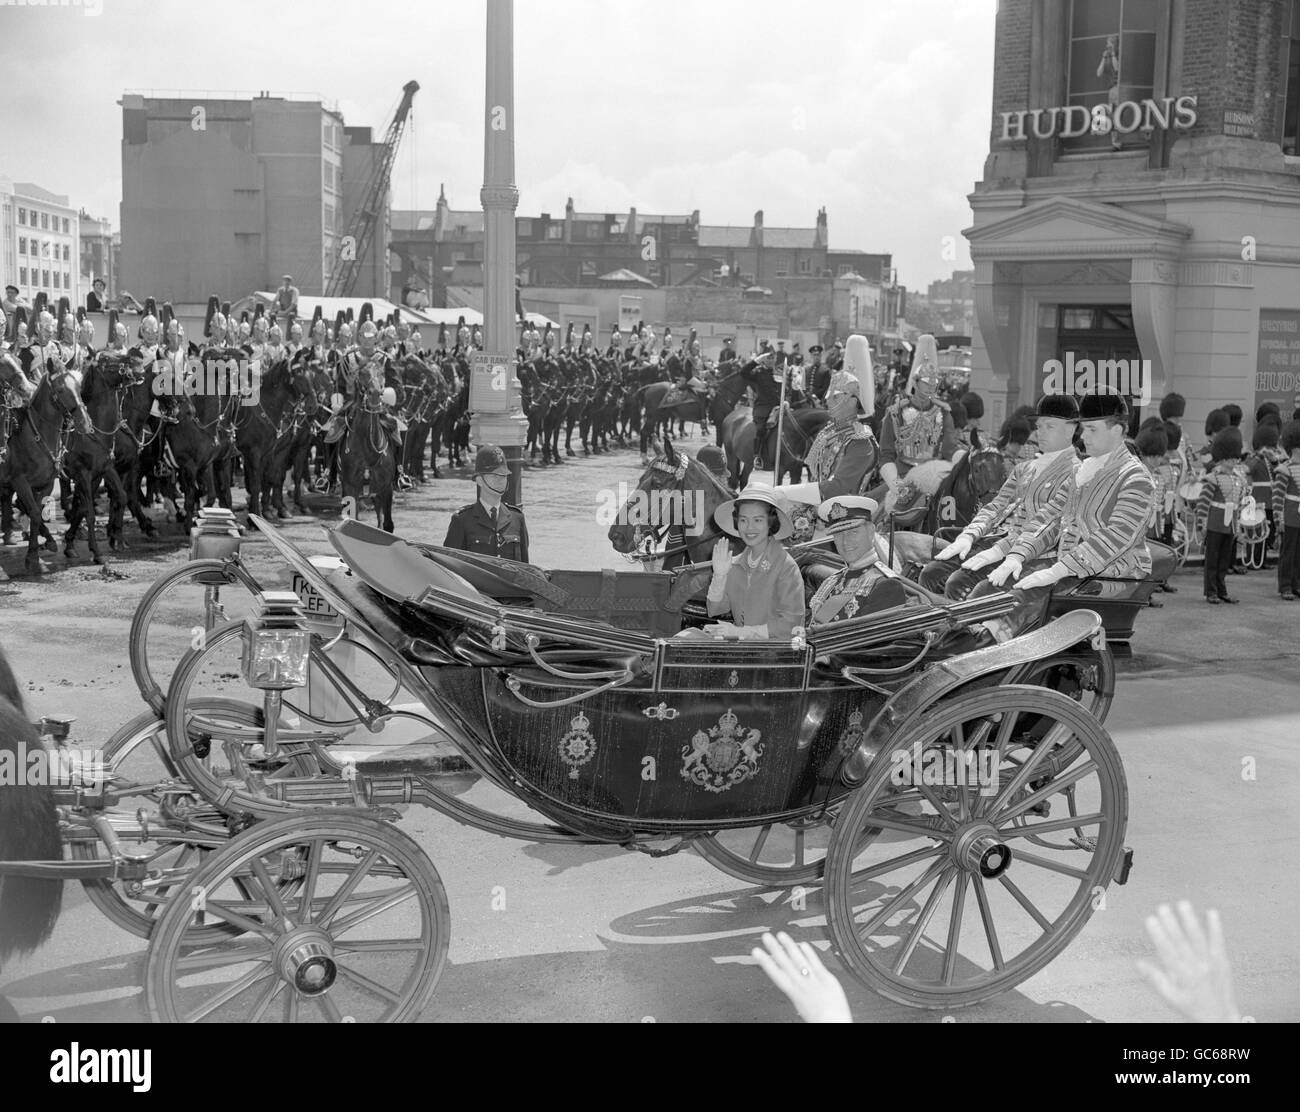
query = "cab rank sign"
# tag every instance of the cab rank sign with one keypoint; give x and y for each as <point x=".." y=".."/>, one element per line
<point x="491" y="378"/>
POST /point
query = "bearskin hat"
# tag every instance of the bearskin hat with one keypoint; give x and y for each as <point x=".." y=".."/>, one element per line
<point x="1172" y="405"/>
<point x="1173" y="435"/>
<point x="1152" y="442"/>
<point x="973" y="404"/>
<point x="1017" y="431"/>
<point x="1291" y="436"/>
<point x="1235" y="414"/>
<point x="1266" y="436"/>
<point x="1097" y="407"/>
<point x="1216" y="421"/>
<point x="1267" y="408"/>
<point x="214" y="306"/>
<point x="1226" y="444"/>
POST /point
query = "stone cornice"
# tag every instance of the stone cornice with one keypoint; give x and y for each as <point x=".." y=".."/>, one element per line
<point x="1130" y="192"/>
<point x="1074" y="248"/>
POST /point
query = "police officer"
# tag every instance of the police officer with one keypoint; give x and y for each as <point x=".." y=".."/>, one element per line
<point x="490" y="527"/>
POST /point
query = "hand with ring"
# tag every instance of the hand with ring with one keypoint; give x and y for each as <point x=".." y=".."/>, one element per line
<point x="797" y="970"/>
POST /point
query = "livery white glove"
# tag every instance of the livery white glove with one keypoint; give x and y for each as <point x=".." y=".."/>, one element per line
<point x="809" y="494"/>
<point x="1010" y="568"/>
<point x="1044" y="578"/>
<point x="984" y="559"/>
<point x="959" y="549"/>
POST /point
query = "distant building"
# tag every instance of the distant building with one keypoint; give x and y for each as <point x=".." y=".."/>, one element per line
<point x="40" y="242"/>
<point x="227" y="195"/>
<point x="99" y="247"/>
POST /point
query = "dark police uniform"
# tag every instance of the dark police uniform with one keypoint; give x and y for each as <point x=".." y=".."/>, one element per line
<point x="473" y="530"/>
<point x="476" y="529"/>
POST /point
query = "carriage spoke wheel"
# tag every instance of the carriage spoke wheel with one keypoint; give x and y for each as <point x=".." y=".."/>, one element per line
<point x="957" y="904"/>
<point x="1087" y="677"/>
<point x="777" y="855"/>
<point x="221" y="755"/>
<point x="182" y="830"/>
<point x="361" y="936"/>
<point x="198" y="596"/>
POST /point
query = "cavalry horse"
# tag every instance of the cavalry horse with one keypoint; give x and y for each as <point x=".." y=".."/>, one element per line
<point x="368" y="449"/>
<point x="265" y="430"/>
<point x="29" y="831"/>
<point x="799" y="429"/>
<point x="36" y="451"/>
<point x="199" y="429"/>
<point x="91" y="455"/>
<point x="138" y="434"/>
<point x="674" y="504"/>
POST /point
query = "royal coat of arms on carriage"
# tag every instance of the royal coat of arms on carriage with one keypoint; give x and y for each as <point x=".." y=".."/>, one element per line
<point x="723" y="756"/>
<point x="577" y="747"/>
<point x="852" y="734"/>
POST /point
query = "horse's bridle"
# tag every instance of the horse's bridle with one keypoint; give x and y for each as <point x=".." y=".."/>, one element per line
<point x="644" y="537"/>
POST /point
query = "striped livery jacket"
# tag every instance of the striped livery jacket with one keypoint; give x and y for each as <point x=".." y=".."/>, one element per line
<point x="1286" y="495"/>
<point x="1026" y="491"/>
<point x="1099" y="528"/>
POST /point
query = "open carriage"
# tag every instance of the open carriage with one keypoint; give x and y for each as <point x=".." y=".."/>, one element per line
<point x="960" y="813"/>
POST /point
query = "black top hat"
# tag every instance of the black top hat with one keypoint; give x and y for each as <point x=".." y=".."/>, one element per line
<point x="1062" y="406"/>
<point x="1098" y="407"/>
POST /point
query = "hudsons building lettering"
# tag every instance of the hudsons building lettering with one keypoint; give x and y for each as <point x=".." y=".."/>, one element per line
<point x="1126" y="117"/>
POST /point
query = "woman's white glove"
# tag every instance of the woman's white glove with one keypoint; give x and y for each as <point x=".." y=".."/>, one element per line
<point x="959" y="549"/>
<point x="1010" y="568"/>
<point x="721" y="559"/>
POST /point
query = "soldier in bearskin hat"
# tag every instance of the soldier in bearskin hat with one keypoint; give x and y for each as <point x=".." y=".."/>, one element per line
<point x="1028" y="491"/>
<point x="1094" y="526"/>
<point x="1286" y="513"/>
<point x="1223" y="491"/>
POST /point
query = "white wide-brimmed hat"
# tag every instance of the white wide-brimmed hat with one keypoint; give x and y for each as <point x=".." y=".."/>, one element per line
<point x="755" y="492"/>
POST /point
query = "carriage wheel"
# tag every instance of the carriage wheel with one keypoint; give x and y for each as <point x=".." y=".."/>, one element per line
<point x="958" y="903"/>
<point x="777" y="855"/>
<point x="197" y="596"/>
<point x="362" y="936"/>
<point x="141" y="770"/>
<point x="1086" y="677"/>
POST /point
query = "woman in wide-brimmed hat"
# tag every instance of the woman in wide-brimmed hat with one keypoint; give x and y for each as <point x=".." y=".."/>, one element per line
<point x="761" y="587"/>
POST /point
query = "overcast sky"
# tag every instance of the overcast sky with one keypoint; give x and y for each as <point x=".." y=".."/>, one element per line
<point x="877" y="109"/>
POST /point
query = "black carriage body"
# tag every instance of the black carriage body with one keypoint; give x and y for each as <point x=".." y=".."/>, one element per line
<point x="701" y="736"/>
<point x="713" y="736"/>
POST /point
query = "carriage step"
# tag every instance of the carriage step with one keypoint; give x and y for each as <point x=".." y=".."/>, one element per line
<point x="1125" y="865"/>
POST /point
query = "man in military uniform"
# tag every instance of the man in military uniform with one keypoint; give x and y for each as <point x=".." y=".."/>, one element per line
<point x="818" y="376"/>
<point x="728" y="352"/>
<point x="843" y="455"/>
<point x="918" y="427"/>
<point x="489" y="526"/>
<point x="864" y="585"/>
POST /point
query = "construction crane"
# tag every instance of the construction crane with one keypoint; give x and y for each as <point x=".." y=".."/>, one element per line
<point x="361" y="228"/>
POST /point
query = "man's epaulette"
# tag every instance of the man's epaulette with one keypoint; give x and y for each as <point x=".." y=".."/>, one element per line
<point x="508" y="506"/>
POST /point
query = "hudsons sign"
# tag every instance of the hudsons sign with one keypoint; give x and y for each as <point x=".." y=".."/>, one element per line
<point x="1125" y="117"/>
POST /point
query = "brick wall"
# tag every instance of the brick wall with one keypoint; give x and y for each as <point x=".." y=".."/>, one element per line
<point x="1231" y="59"/>
<point x="1014" y="37"/>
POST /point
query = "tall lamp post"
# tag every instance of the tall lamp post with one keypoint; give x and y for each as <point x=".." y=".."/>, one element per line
<point x="494" y="386"/>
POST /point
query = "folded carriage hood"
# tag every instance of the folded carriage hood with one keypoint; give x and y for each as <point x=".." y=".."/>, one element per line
<point x="907" y="705"/>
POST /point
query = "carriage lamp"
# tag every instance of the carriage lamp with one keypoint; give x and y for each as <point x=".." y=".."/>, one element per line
<point x="215" y="535"/>
<point x="276" y="643"/>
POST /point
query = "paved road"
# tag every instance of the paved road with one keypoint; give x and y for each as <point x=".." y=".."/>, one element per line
<point x="601" y="934"/>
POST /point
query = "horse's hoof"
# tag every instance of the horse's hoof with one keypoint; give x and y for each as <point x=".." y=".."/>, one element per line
<point x="568" y="451"/>
<point x="98" y="559"/>
<point x="33" y="567"/>
<point x="251" y="524"/>
<point x="282" y="515"/>
<point x="49" y="545"/>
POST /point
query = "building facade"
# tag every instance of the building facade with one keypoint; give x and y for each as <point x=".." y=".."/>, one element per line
<point x="40" y="242"/>
<point x="1141" y="201"/>
<point x="99" y="247"/>
<point x="227" y="195"/>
